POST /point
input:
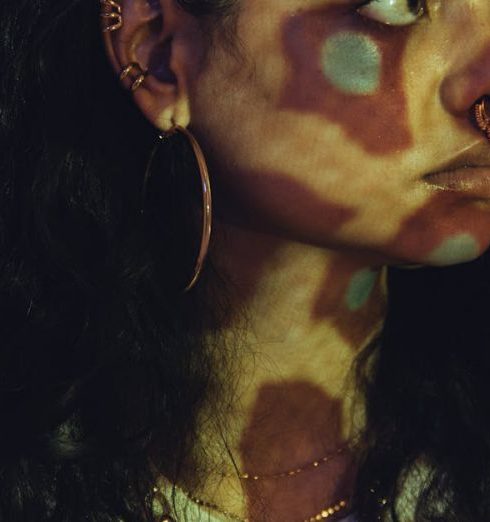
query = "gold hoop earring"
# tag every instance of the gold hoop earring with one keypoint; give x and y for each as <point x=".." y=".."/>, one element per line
<point x="111" y="10"/>
<point x="481" y="115"/>
<point x="206" y="195"/>
<point x="140" y="78"/>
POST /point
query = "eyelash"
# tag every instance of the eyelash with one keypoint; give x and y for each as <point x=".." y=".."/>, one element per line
<point x="424" y="6"/>
<point x="424" y="9"/>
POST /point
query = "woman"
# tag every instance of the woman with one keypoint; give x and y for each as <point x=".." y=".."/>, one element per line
<point x="326" y="356"/>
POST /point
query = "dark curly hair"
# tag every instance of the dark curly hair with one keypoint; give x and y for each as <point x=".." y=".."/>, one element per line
<point x="103" y="366"/>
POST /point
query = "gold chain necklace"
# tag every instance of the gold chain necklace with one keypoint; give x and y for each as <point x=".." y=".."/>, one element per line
<point x="325" y="513"/>
<point x="292" y="472"/>
<point x="322" y="515"/>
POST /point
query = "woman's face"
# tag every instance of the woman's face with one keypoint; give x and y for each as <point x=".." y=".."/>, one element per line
<point x="326" y="128"/>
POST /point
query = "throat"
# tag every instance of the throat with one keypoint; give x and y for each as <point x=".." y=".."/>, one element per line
<point x="298" y="316"/>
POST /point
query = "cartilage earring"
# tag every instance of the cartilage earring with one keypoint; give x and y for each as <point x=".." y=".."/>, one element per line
<point x="111" y="10"/>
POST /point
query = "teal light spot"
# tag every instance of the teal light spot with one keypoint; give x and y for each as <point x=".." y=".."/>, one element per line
<point x="352" y="63"/>
<point x="455" y="249"/>
<point x="360" y="288"/>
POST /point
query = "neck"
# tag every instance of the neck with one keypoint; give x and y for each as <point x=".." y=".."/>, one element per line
<point x="303" y="313"/>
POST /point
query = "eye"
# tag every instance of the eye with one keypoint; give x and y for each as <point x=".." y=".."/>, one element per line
<point x="393" y="12"/>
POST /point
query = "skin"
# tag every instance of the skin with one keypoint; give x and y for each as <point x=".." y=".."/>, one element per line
<point x="317" y="185"/>
<point x="315" y="92"/>
<point x="352" y="63"/>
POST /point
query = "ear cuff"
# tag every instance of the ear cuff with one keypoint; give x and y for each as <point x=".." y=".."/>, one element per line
<point x="140" y="74"/>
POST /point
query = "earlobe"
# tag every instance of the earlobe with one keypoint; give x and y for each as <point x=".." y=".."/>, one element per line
<point x="138" y="37"/>
<point x="179" y="114"/>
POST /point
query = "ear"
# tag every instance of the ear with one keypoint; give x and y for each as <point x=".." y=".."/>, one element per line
<point x="167" y="45"/>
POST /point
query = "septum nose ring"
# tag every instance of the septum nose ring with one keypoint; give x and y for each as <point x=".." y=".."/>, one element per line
<point x="482" y="111"/>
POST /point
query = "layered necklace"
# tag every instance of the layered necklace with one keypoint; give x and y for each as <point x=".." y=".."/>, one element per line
<point x="328" y="512"/>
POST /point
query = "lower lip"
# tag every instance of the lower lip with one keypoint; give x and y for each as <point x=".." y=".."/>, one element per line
<point x="473" y="181"/>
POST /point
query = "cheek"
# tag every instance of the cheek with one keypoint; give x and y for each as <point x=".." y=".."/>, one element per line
<point x="272" y="202"/>
<point x="349" y="71"/>
<point x="351" y="62"/>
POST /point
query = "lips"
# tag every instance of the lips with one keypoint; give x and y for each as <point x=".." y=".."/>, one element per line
<point x="471" y="179"/>
<point x="469" y="173"/>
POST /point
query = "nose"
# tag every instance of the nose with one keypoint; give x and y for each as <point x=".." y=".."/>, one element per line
<point x="461" y="89"/>
<point x="464" y="91"/>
